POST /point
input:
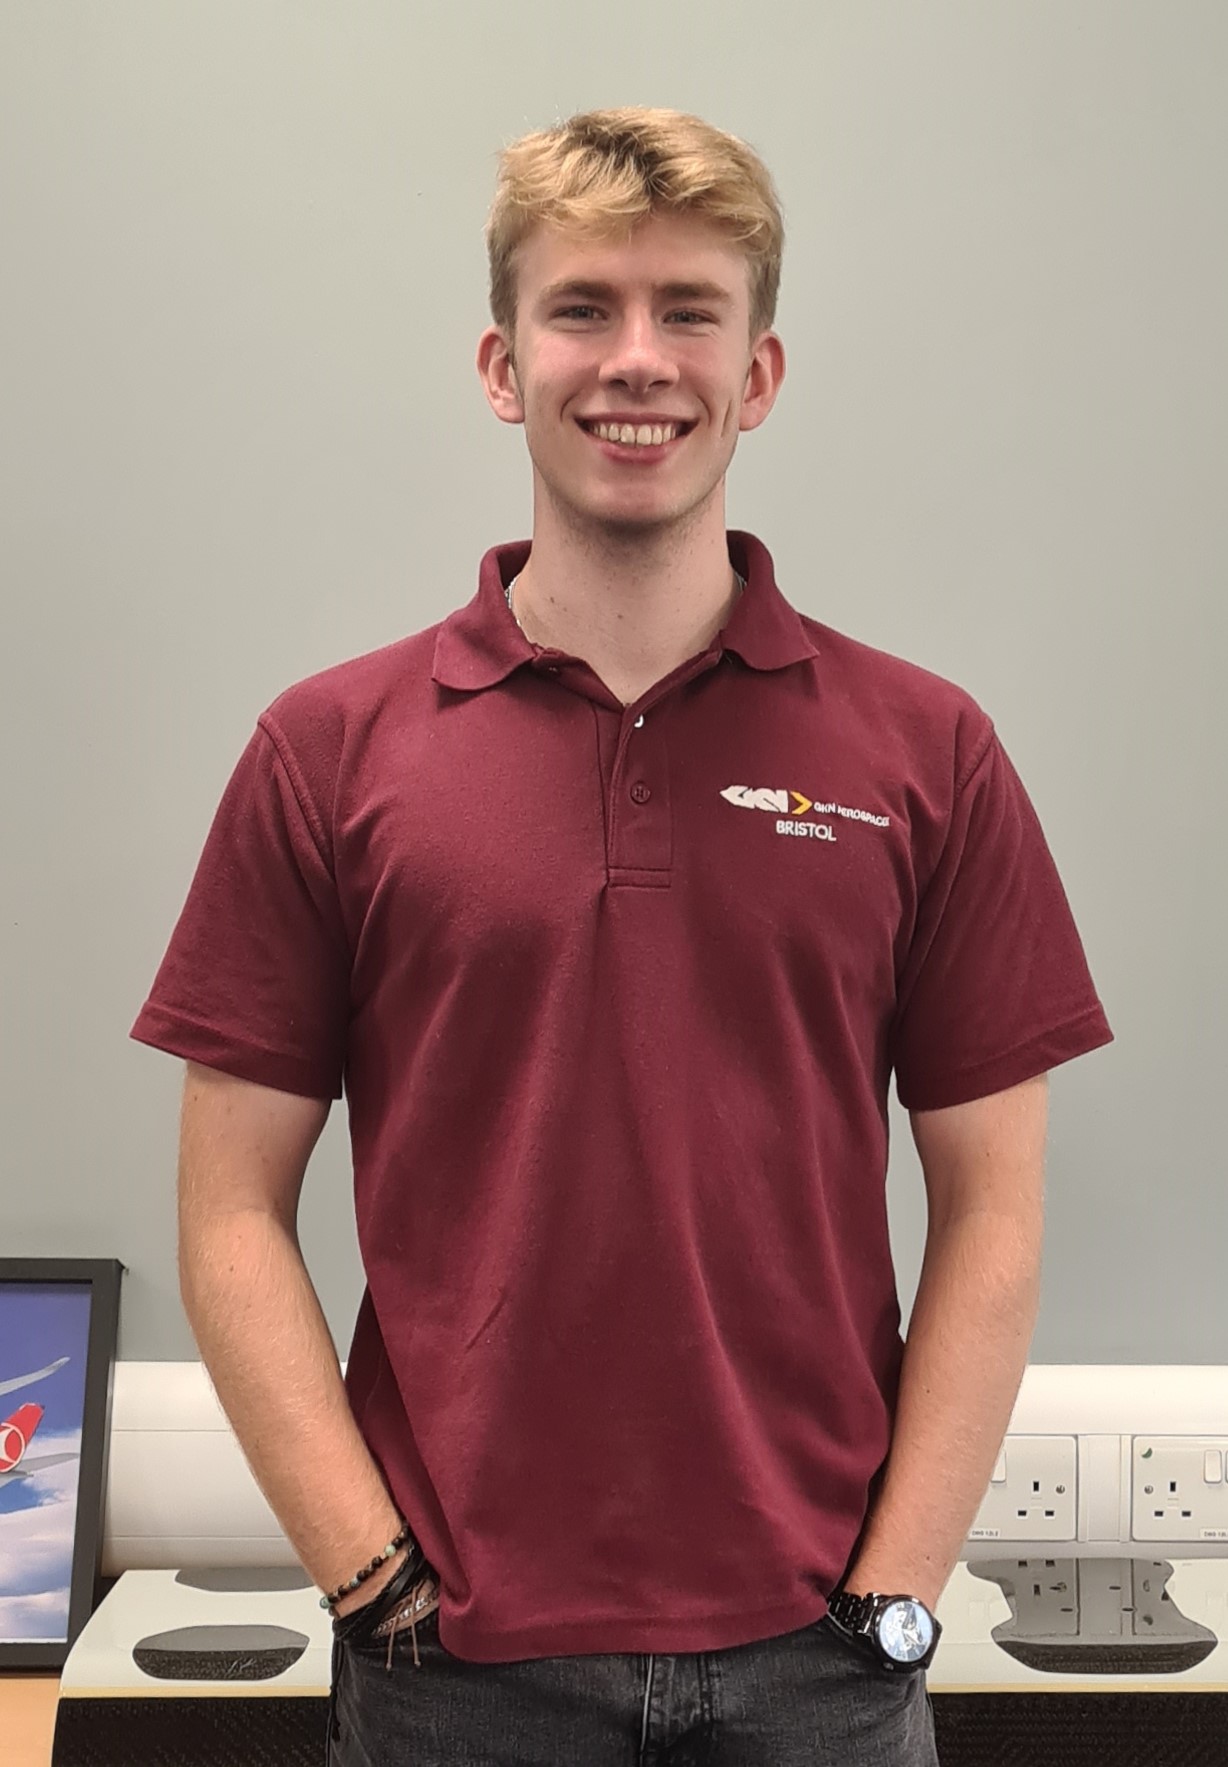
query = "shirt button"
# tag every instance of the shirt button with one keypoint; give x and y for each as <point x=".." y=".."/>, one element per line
<point x="639" y="721"/>
<point x="640" y="793"/>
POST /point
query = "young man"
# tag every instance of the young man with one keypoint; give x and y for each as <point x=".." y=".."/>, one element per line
<point x="614" y="901"/>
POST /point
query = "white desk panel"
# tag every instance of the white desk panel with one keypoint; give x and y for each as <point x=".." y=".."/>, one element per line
<point x="100" y="1664"/>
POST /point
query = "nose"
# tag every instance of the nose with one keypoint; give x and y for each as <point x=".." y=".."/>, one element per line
<point x="638" y="355"/>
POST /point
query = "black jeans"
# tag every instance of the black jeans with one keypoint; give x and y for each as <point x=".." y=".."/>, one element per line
<point x="807" y="1697"/>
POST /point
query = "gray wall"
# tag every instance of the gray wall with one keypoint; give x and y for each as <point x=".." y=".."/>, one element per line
<point x="243" y="438"/>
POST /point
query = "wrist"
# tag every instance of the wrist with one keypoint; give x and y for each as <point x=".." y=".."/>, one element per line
<point x="359" y="1582"/>
<point x="371" y="1586"/>
<point x="878" y="1580"/>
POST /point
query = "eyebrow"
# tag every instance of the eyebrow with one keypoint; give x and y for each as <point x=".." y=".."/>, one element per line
<point x="712" y="292"/>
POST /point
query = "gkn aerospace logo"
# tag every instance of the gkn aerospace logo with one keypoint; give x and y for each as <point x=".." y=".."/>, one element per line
<point x="789" y="807"/>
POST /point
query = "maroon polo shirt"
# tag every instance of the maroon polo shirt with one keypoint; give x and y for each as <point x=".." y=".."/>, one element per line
<point x="615" y="995"/>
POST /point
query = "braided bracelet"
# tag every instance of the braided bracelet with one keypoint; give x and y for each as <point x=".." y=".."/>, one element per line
<point x="356" y="1582"/>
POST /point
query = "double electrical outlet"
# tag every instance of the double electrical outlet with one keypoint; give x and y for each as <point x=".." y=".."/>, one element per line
<point x="1111" y="1453"/>
<point x="1154" y="1488"/>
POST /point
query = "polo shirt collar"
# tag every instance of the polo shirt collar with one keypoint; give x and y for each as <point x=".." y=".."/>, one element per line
<point x="481" y="644"/>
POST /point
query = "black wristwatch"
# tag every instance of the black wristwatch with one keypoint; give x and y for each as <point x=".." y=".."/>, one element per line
<point x="900" y="1630"/>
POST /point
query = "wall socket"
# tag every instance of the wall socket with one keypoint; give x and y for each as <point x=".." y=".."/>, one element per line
<point x="1032" y="1491"/>
<point x="1103" y="1409"/>
<point x="1179" y="1487"/>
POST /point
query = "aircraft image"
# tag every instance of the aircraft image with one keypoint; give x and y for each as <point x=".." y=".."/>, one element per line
<point x="17" y="1431"/>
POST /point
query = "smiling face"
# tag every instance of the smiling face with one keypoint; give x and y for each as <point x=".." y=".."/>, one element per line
<point x="651" y="332"/>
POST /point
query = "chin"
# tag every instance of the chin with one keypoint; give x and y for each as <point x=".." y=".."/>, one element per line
<point x="632" y="514"/>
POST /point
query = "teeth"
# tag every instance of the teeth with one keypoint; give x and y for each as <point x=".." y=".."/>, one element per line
<point x="647" y="435"/>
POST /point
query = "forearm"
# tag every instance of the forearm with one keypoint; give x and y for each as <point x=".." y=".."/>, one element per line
<point x="967" y="1348"/>
<point x="265" y="1342"/>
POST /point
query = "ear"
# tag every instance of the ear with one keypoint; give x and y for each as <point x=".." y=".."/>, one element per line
<point x="763" y="380"/>
<point x="498" y="376"/>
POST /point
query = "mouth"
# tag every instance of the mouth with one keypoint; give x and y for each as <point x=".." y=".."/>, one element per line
<point x="642" y="453"/>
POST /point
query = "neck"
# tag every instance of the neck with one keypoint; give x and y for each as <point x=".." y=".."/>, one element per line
<point x="633" y="610"/>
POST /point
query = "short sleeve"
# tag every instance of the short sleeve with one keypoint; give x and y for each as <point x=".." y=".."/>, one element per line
<point x="255" y="981"/>
<point x="995" y="988"/>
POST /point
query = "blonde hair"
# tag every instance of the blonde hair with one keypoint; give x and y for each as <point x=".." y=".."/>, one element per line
<point x="603" y="171"/>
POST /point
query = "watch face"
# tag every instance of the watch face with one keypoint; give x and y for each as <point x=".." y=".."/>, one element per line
<point x="905" y="1631"/>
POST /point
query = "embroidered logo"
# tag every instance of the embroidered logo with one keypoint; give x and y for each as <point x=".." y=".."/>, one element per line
<point x="789" y="807"/>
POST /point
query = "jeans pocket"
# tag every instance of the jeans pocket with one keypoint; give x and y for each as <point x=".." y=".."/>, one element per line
<point x="862" y="1651"/>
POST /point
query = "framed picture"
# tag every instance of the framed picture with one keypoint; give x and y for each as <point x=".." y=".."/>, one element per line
<point x="58" y="1322"/>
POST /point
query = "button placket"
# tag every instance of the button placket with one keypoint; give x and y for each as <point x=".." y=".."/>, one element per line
<point x="641" y="831"/>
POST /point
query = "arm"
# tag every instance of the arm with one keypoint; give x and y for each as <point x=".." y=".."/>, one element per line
<point x="968" y="1339"/>
<point x="257" y="1319"/>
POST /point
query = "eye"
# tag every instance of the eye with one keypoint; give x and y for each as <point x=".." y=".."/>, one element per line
<point x="681" y="313"/>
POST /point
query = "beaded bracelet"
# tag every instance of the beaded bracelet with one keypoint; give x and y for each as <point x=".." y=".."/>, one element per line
<point x="356" y="1582"/>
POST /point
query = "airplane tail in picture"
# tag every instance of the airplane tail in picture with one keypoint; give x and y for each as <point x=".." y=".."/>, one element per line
<point x="16" y="1433"/>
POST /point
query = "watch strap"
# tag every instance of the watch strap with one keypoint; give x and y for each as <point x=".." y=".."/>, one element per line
<point x="853" y="1612"/>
